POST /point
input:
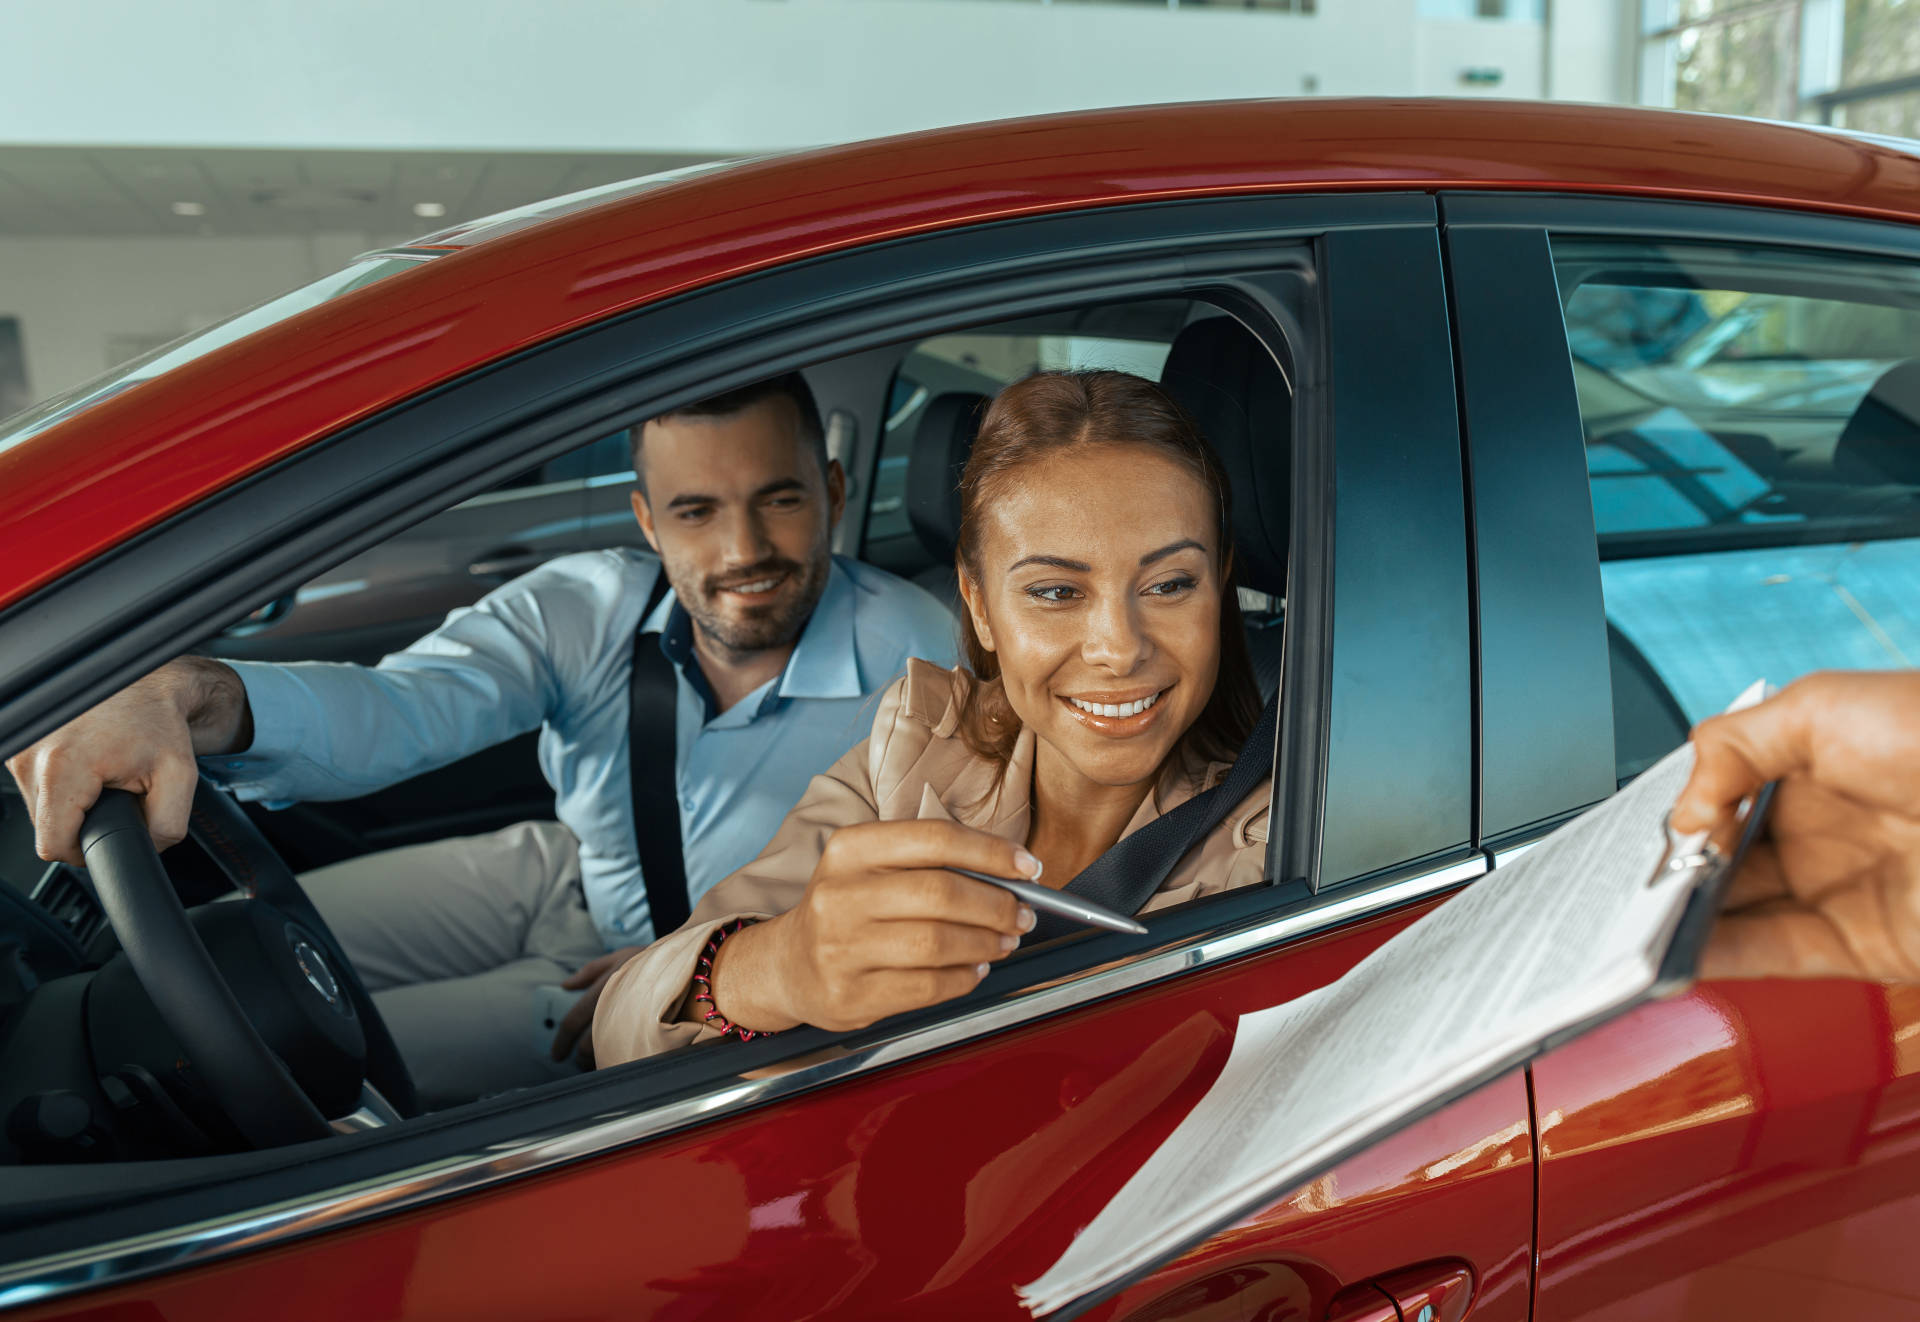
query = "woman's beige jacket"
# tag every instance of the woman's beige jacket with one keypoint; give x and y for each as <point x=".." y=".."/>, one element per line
<point x="913" y="765"/>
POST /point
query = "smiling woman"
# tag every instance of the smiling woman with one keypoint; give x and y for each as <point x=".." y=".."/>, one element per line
<point x="1108" y="683"/>
<point x="1068" y="461"/>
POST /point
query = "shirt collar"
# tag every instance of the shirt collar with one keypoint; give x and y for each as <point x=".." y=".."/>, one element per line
<point x="826" y="661"/>
<point x="657" y="621"/>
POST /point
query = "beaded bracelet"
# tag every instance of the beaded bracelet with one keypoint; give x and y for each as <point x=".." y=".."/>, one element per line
<point x="703" y="988"/>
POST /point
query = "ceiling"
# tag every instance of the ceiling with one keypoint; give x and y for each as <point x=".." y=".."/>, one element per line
<point x="119" y="191"/>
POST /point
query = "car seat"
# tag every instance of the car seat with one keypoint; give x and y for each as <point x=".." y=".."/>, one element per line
<point x="941" y="444"/>
<point x="1230" y="385"/>
<point x="1881" y="441"/>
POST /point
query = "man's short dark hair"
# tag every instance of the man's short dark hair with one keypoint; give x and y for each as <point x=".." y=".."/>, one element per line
<point x="791" y="386"/>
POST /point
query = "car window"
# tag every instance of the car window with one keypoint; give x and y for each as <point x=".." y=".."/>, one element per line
<point x="1752" y="423"/>
<point x="981" y="362"/>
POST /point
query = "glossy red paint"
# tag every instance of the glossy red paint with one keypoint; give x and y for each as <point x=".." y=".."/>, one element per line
<point x="124" y="465"/>
<point x="1459" y="1177"/>
<point x="844" y="1210"/>
<point x="1433" y="1292"/>
<point x="1749" y="1150"/>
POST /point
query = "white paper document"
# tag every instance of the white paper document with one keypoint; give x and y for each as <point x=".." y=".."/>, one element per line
<point x="1576" y="927"/>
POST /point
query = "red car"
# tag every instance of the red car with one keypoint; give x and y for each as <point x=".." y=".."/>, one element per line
<point x="1548" y="424"/>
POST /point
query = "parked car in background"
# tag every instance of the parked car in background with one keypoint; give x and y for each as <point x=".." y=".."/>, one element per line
<point x="1549" y="428"/>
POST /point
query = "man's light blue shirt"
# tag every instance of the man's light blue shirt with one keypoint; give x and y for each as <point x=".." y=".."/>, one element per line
<point x="554" y="650"/>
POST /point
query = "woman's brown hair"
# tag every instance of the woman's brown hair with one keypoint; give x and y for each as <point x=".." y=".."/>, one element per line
<point x="1052" y="412"/>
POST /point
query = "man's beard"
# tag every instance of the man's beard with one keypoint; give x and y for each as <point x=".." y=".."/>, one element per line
<point x="777" y="623"/>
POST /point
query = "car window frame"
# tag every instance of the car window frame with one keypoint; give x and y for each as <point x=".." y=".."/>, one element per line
<point x="89" y="632"/>
<point x="1516" y="387"/>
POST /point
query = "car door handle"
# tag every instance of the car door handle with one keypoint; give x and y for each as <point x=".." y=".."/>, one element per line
<point x="1435" y="1292"/>
<point x="1366" y="1302"/>
<point x="1432" y="1292"/>
<point x="506" y="562"/>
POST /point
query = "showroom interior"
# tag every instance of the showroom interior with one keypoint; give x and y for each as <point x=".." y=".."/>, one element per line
<point x="162" y="167"/>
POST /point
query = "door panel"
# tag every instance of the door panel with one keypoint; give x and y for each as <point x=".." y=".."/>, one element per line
<point x="384" y="598"/>
<point x="1749" y="1150"/>
<point x="397" y="592"/>
<point x="1453" y="1188"/>
<point x="928" y="1191"/>
<point x="1688" y="478"/>
<point x="485" y="791"/>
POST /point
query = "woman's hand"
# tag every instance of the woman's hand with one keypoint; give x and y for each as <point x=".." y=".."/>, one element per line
<point x="1832" y="889"/>
<point x="882" y="929"/>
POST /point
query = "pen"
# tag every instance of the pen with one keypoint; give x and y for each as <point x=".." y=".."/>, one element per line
<point x="1052" y="901"/>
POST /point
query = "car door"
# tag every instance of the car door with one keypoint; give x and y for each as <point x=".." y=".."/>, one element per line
<point x="382" y="599"/>
<point x="928" y="1166"/>
<point x="1719" y="482"/>
<point x="385" y="598"/>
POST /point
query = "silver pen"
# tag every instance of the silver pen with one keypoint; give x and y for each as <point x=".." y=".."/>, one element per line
<point x="1048" y="900"/>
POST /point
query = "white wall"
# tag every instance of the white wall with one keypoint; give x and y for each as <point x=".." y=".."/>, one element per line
<point x="76" y="298"/>
<point x="1446" y="48"/>
<point x="717" y="76"/>
<point x="701" y="77"/>
<point x="1591" y="50"/>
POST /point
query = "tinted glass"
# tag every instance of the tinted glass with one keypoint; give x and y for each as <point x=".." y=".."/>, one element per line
<point x="1752" y="424"/>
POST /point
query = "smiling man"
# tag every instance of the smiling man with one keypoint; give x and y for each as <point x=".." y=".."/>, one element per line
<point x="748" y="662"/>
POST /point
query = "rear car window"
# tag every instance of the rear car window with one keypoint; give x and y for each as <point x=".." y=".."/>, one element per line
<point x="1752" y="421"/>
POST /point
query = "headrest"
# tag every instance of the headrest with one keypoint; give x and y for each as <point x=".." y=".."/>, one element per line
<point x="941" y="445"/>
<point x="1881" y="441"/>
<point x="1229" y="384"/>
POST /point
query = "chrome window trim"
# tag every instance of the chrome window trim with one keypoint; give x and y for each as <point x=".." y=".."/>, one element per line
<point x="53" y="1275"/>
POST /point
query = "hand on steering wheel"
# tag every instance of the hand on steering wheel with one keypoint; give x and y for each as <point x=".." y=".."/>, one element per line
<point x="329" y="1044"/>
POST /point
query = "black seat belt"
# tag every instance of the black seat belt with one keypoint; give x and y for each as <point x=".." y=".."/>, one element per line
<point x="1126" y="876"/>
<point x="653" y="698"/>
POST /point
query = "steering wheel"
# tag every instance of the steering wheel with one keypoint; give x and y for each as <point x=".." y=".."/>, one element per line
<point x="311" y="1044"/>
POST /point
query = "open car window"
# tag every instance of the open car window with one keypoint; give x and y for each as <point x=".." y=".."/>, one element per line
<point x="386" y="596"/>
<point x="1276" y="310"/>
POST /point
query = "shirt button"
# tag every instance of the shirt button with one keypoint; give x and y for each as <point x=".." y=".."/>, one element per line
<point x="687" y="804"/>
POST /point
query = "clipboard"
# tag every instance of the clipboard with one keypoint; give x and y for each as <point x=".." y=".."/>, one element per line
<point x="1689" y="939"/>
<point x="1711" y="873"/>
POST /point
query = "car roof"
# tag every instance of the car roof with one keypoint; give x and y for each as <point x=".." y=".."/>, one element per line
<point x="76" y="488"/>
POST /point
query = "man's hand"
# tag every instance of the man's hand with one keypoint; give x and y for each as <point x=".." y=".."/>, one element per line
<point x="1832" y="890"/>
<point x="144" y="738"/>
<point x="577" y="1026"/>
<point x="883" y="928"/>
